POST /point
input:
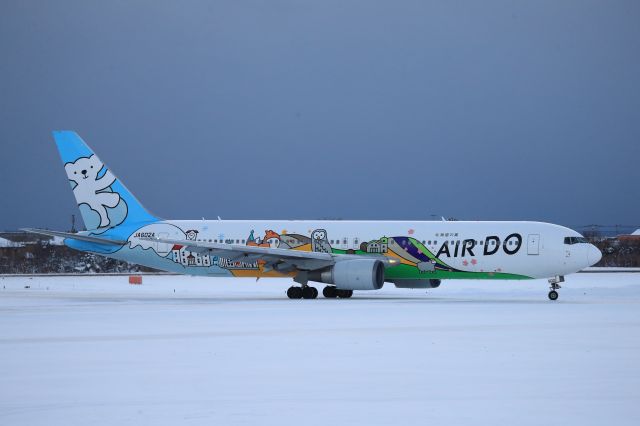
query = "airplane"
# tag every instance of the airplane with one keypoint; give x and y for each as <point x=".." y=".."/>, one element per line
<point x="344" y="255"/>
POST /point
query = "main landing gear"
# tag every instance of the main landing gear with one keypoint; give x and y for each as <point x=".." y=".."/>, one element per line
<point x="305" y="292"/>
<point x="554" y="284"/>
<point x="331" y="292"/>
<point x="308" y="292"/>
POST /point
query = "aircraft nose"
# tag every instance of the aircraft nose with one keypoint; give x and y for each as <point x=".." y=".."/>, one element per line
<point x="593" y="255"/>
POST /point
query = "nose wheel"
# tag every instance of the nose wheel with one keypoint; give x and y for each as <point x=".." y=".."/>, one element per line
<point x="554" y="284"/>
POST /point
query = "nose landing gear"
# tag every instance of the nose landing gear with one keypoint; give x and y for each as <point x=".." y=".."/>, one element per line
<point x="554" y="284"/>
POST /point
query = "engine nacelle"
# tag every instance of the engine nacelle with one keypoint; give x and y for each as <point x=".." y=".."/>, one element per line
<point x="416" y="283"/>
<point x="354" y="274"/>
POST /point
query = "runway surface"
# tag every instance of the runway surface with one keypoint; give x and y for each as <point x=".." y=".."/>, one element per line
<point x="184" y="350"/>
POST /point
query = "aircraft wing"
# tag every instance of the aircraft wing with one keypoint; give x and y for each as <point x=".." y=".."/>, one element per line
<point x="282" y="260"/>
<point x="79" y="237"/>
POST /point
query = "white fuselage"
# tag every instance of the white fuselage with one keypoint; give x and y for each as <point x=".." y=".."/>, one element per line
<point x="527" y="249"/>
<point x="348" y="255"/>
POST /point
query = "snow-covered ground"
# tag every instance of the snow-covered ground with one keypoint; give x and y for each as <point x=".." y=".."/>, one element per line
<point x="183" y="350"/>
<point x="6" y="243"/>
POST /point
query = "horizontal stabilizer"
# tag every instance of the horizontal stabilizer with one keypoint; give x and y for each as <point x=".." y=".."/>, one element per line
<point x="79" y="237"/>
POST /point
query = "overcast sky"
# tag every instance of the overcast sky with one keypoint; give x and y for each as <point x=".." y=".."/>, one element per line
<point x="327" y="109"/>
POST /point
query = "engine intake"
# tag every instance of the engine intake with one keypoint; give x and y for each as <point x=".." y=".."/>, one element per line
<point x="354" y="274"/>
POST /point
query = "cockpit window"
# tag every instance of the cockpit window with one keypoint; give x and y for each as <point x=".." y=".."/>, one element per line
<point x="575" y="240"/>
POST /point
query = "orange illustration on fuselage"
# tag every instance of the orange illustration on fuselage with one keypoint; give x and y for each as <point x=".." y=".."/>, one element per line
<point x="271" y="239"/>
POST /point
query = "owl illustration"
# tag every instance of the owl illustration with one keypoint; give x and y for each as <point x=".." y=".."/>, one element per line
<point x="319" y="241"/>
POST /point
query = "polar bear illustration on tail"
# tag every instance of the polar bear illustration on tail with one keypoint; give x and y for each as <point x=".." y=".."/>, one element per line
<point x="92" y="189"/>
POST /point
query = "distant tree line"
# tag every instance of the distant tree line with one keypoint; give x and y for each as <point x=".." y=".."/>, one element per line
<point x="46" y="259"/>
<point x="620" y="253"/>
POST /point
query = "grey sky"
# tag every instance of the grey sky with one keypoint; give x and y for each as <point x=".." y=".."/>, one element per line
<point x="312" y="109"/>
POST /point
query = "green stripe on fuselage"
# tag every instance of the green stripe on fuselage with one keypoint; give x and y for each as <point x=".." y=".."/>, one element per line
<point x="408" y="272"/>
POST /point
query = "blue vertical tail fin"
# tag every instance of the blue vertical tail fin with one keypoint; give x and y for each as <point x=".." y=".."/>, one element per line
<point x="104" y="202"/>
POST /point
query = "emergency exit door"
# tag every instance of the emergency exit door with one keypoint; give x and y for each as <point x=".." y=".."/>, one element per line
<point x="533" y="244"/>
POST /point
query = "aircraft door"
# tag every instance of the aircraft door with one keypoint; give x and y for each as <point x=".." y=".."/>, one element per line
<point x="533" y="244"/>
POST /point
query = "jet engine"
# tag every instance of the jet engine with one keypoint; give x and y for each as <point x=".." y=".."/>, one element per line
<point x="416" y="283"/>
<point x="353" y="274"/>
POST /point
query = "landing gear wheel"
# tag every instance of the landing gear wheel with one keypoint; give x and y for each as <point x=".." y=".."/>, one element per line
<point x="309" y="292"/>
<point x="294" y="292"/>
<point x="330" y="292"/>
<point x="345" y="294"/>
<point x="554" y="284"/>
